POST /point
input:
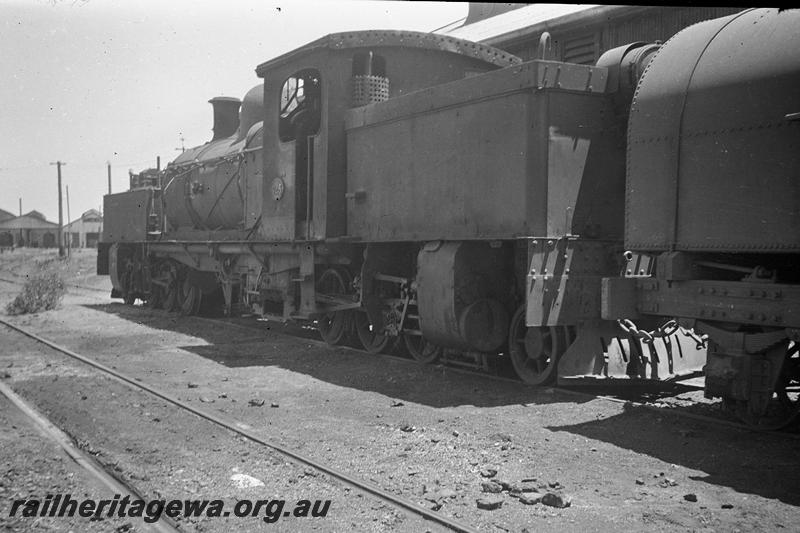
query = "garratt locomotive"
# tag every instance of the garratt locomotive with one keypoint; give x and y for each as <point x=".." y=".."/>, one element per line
<point x="712" y="222"/>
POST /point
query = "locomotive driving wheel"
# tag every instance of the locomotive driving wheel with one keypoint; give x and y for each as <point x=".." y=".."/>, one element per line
<point x="421" y="349"/>
<point x="192" y="297"/>
<point x="784" y="405"/>
<point x="371" y="339"/>
<point x="128" y="294"/>
<point x="155" y="300"/>
<point x="333" y="327"/>
<point x="535" y="351"/>
<point x="170" y="274"/>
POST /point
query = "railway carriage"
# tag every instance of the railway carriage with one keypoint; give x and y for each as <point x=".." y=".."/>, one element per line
<point x="425" y="191"/>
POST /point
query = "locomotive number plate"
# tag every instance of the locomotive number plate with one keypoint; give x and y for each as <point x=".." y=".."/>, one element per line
<point x="278" y="188"/>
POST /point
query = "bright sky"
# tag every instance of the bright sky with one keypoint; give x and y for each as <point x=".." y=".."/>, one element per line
<point x="91" y="81"/>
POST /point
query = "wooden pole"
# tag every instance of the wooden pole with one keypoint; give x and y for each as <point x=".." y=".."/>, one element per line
<point x="68" y="236"/>
<point x="60" y="211"/>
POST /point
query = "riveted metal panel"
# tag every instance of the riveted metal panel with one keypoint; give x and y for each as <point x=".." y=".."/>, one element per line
<point x="712" y="156"/>
<point x="393" y="38"/>
<point x="452" y="173"/>
<point x="452" y="161"/>
<point x="130" y="209"/>
<point x="740" y="156"/>
<point x="564" y="279"/>
<point x="654" y="137"/>
<point x="409" y="67"/>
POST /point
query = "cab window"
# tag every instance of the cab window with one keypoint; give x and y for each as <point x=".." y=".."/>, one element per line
<point x="300" y="106"/>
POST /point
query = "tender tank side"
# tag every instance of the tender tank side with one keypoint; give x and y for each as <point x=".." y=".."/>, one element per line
<point x="713" y="134"/>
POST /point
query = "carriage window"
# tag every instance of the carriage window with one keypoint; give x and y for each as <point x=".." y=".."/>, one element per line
<point x="300" y="106"/>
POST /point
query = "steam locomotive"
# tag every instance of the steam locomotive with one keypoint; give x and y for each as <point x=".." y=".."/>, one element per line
<point x="419" y="190"/>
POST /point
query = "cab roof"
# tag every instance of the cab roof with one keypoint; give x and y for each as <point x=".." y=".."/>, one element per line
<point x="376" y="38"/>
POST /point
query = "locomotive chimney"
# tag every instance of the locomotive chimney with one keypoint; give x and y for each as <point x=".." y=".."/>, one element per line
<point x="226" y="116"/>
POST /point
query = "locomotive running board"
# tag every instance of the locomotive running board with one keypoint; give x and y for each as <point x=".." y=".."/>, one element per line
<point x="601" y="351"/>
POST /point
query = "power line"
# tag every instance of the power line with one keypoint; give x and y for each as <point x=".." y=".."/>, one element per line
<point x="462" y="19"/>
<point x="81" y="165"/>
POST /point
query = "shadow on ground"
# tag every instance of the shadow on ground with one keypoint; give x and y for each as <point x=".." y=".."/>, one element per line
<point x="251" y="343"/>
<point x="750" y="462"/>
<point x="753" y="463"/>
<point x="257" y="343"/>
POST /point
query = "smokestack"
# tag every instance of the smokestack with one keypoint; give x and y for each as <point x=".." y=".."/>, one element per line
<point x="226" y="116"/>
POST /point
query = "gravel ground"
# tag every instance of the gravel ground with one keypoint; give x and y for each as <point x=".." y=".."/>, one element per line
<point x="438" y="437"/>
<point x="33" y="466"/>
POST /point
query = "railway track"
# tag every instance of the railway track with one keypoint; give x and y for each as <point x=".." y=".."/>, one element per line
<point x="239" y="428"/>
<point x="234" y="329"/>
<point x="664" y="387"/>
<point x="662" y="390"/>
<point x="92" y="467"/>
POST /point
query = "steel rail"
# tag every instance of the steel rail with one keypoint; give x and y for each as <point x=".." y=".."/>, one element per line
<point x="655" y="409"/>
<point x="90" y="465"/>
<point x="554" y="388"/>
<point x="298" y="457"/>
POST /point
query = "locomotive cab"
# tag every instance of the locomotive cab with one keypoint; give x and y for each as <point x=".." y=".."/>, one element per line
<point x="306" y="95"/>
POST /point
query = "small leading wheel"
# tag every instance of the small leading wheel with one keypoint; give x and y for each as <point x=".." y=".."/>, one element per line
<point x="372" y="341"/>
<point x="534" y="351"/>
<point x="784" y="405"/>
<point x="421" y="349"/>
<point x="333" y="327"/>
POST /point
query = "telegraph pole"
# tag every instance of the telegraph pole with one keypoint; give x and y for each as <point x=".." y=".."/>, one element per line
<point x="109" y="176"/>
<point x="69" y="234"/>
<point x="60" y="211"/>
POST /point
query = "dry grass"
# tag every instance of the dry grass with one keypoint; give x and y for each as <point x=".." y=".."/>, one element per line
<point x="42" y="292"/>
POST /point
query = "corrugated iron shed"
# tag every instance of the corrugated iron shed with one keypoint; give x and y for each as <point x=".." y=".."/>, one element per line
<point x="26" y="222"/>
<point x="581" y="33"/>
<point x="501" y="26"/>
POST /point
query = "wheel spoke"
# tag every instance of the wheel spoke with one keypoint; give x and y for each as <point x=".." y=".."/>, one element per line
<point x="421" y="349"/>
<point x="333" y="327"/>
<point x="784" y="406"/>
<point x="534" y="352"/>
<point x="372" y="341"/>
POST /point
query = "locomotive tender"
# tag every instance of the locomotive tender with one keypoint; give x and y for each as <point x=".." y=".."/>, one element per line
<point x="426" y="190"/>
